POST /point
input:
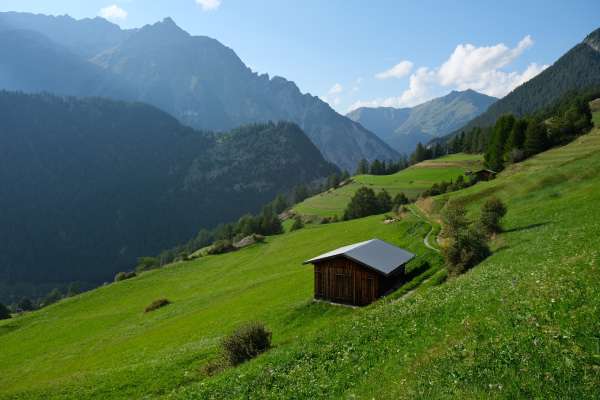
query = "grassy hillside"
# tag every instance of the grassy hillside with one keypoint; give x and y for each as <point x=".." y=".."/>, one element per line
<point x="412" y="181"/>
<point x="523" y="324"/>
<point x="102" y="345"/>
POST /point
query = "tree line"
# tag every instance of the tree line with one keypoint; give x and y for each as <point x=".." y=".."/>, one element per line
<point x="513" y="139"/>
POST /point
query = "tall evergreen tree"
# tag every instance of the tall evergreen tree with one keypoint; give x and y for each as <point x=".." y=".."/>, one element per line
<point x="363" y="203"/>
<point x="536" y="139"/>
<point x="494" y="156"/>
<point x="280" y="204"/>
<point x="4" y="312"/>
<point x="363" y="167"/>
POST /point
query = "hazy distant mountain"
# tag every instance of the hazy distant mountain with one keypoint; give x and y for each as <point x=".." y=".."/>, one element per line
<point x="198" y="80"/>
<point x="403" y="128"/>
<point x="578" y="69"/>
<point x="88" y="185"/>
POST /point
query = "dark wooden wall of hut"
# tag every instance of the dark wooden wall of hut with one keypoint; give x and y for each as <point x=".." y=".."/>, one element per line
<point x="344" y="281"/>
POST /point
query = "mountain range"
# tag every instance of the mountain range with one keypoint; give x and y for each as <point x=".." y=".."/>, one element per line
<point x="404" y="128"/>
<point x="576" y="70"/>
<point x="196" y="79"/>
<point x="91" y="184"/>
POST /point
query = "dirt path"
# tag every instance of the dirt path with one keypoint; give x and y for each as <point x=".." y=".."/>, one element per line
<point x="426" y="239"/>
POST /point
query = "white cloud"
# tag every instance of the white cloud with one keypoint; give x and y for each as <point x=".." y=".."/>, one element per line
<point x="209" y="5"/>
<point x="113" y="13"/>
<point x="399" y="70"/>
<point x="333" y="95"/>
<point x="468" y="67"/>
<point x="336" y="89"/>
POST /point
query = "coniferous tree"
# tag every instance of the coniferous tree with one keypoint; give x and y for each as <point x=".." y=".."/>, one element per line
<point x="536" y="139"/>
<point x="494" y="156"/>
<point x="384" y="201"/>
<point x="363" y="167"/>
<point x="300" y="193"/>
<point x="280" y="204"/>
<point x="400" y="199"/>
<point x="363" y="203"/>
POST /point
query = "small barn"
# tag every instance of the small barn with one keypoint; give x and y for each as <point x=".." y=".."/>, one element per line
<point x="360" y="273"/>
<point x="482" y="174"/>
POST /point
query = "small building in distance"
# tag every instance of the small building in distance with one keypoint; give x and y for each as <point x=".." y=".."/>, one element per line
<point x="482" y="174"/>
<point x="360" y="273"/>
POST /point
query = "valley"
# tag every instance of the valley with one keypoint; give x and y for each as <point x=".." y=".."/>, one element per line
<point x="518" y="296"/>
<point x="415" y="218"/>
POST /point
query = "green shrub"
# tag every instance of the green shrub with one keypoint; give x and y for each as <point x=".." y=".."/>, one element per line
<point x="221" y="247"/>
<point x="298" y="224"/>
<point x="147" y="263"/>
<point x="245" y="343"/>
<point x="465" y="250"/>
<point x="156" y="304"/>
<point x="121" y="276"/>
<point x="492" y="212"/>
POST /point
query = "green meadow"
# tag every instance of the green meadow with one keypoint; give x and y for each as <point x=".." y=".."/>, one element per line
<point x="412" y="181"/>
<point x="102" y="345"/>
<point x="522" y="324"/>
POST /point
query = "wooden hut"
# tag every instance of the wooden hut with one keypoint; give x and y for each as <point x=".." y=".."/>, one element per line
<point x="360" y="273"/>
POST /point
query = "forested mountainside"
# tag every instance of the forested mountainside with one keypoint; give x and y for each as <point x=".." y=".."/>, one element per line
<point x="404" y="128"/>
<point x="577" y="70"/>
<point x="91" y="184"/>
<point x="198" y="80"/>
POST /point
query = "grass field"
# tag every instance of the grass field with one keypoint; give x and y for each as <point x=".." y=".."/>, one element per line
<point x="412" y="181"/>
<point x="523" y="324"/>
<point x="101" y="344"/>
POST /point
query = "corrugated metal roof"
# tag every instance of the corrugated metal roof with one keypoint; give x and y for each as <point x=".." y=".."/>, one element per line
<point x="375" y="253"/>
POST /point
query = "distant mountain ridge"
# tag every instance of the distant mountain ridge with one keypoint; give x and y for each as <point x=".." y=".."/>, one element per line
<point x="92" y="184"/>
<point x="195" y="78"/>
<point x="403" y="128"/>
<point x="578" y="69"/>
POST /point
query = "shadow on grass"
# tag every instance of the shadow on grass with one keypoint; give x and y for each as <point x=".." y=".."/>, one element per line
<point x="526" y="227"/>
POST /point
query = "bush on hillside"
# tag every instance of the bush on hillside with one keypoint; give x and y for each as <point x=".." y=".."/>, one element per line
<point x="245" y="343"/>
<point x="365" y="202"/>
<point x="52" y="297"/>
<point x="454" y="218"/>
<point x="121" y="276"/>
<point x="400" y="199"/>
<point x="221" y="247"/>
<point x="25" y="305"/>
<point x="4" y="312"/>
<point x="156" y="304"/>
<point x="492" y="212"/>
<point x="467" y="249"/>
<point x="147" y="263"/>
<point x="298" y="224"/>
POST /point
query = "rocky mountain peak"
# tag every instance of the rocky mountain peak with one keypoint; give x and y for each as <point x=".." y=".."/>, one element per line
<point x="593" y="40"/>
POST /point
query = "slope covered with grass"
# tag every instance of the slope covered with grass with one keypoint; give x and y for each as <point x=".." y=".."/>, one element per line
<point x="412" y="181"/>
<point x="523" y="324"/>
<point x="101" y="344"/>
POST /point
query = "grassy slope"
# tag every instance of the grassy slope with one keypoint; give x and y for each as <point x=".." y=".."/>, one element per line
<point x="101" y="344"/>
<point x="523" y="324"/>
<point x="411" y="181"/>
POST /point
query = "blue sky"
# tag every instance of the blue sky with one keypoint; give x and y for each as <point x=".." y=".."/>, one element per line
<point x="352" y="53"/>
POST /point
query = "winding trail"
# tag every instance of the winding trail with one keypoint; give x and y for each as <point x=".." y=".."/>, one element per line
<point x="426" y="238"/>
